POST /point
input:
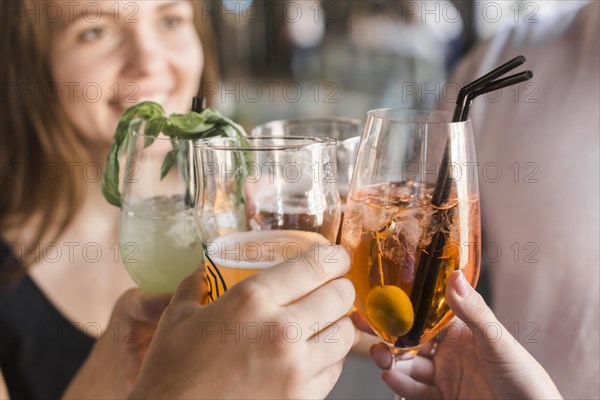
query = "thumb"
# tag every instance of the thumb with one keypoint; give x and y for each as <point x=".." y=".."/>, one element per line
<point x="504" y="358"/>
<point x="137" y="306"/>
<point x="469" y="306"/>
<point x="192" y="288"/>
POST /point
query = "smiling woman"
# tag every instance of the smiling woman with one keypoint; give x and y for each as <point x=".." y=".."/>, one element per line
<point x="152" y="54"/>
<point x="69" y="78"/>
<point x="69" y="70"/>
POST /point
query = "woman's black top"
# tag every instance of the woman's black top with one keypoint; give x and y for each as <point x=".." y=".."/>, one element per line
<point x="40" y="351"/>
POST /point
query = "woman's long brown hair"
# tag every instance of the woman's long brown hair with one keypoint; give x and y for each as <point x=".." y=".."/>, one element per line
<point x="35" y="135"/>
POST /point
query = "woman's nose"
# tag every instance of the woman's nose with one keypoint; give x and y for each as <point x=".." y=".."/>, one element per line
<point x="145" y="54"/>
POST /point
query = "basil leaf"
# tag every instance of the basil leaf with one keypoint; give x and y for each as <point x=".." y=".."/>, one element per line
<point x="192" y="125"/>
<point x="152" y="129"/>
<point x="110" y="179"/>
<point x="131" y="117"/>
<point x="168" y="162"/>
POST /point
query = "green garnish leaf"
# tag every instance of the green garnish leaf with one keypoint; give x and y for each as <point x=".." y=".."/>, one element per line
<point x="153" y="128"/>
<point x="192" y="125"/>
<point x="168" y="162"/>
<point x="185" y="124"/>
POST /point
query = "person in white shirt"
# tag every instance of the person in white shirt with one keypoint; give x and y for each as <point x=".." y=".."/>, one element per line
<point x="542" y="212"/>
<point x="538" y="154"/>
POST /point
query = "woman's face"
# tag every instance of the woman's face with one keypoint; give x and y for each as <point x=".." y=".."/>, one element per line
<point x="106" y="56"/>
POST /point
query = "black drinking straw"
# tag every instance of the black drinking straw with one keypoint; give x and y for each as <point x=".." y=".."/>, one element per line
<point x="478" y="83"/>
<point x="493" y="86"/>
<point x="198" y="105"/>
<point x="427" y="272"/>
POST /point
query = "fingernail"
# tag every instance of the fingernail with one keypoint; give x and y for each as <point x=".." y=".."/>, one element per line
<point x="463" y="288"/>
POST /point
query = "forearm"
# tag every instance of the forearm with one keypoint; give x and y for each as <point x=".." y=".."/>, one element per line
<point x="101" y="375"/>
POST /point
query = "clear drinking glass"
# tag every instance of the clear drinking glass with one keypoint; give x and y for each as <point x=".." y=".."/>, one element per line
<point x="158" y="240"/>
<point x="263" y="200"/>
<point x="404" y="245"/>
<point x="345" y="130"/>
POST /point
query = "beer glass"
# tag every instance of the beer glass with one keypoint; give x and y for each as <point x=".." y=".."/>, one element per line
<point x="261" y="201"/>
<point x="158" y="241"/>
<point x="390" y="221"/>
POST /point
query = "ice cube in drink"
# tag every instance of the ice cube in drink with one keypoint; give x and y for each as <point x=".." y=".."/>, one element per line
<point x="387" y="228"/>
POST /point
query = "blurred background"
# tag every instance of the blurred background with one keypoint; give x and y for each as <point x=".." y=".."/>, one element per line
<point x="311" y="58"/>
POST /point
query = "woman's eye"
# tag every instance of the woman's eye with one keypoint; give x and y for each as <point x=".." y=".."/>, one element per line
<point x="93" y="34"/>
<point x="172" y="22"/>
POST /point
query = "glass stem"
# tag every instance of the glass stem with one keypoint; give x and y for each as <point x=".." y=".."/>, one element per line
<point x="403" y="362"/>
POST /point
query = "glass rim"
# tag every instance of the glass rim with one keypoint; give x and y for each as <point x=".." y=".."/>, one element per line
<point x="317" y="120"/>
<point x="306" y="142"/>
<point x="160" y="136"/>
<point x="382" y="113"/>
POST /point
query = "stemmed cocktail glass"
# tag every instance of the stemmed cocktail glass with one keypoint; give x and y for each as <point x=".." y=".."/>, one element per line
<point x="404" y="245"/>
